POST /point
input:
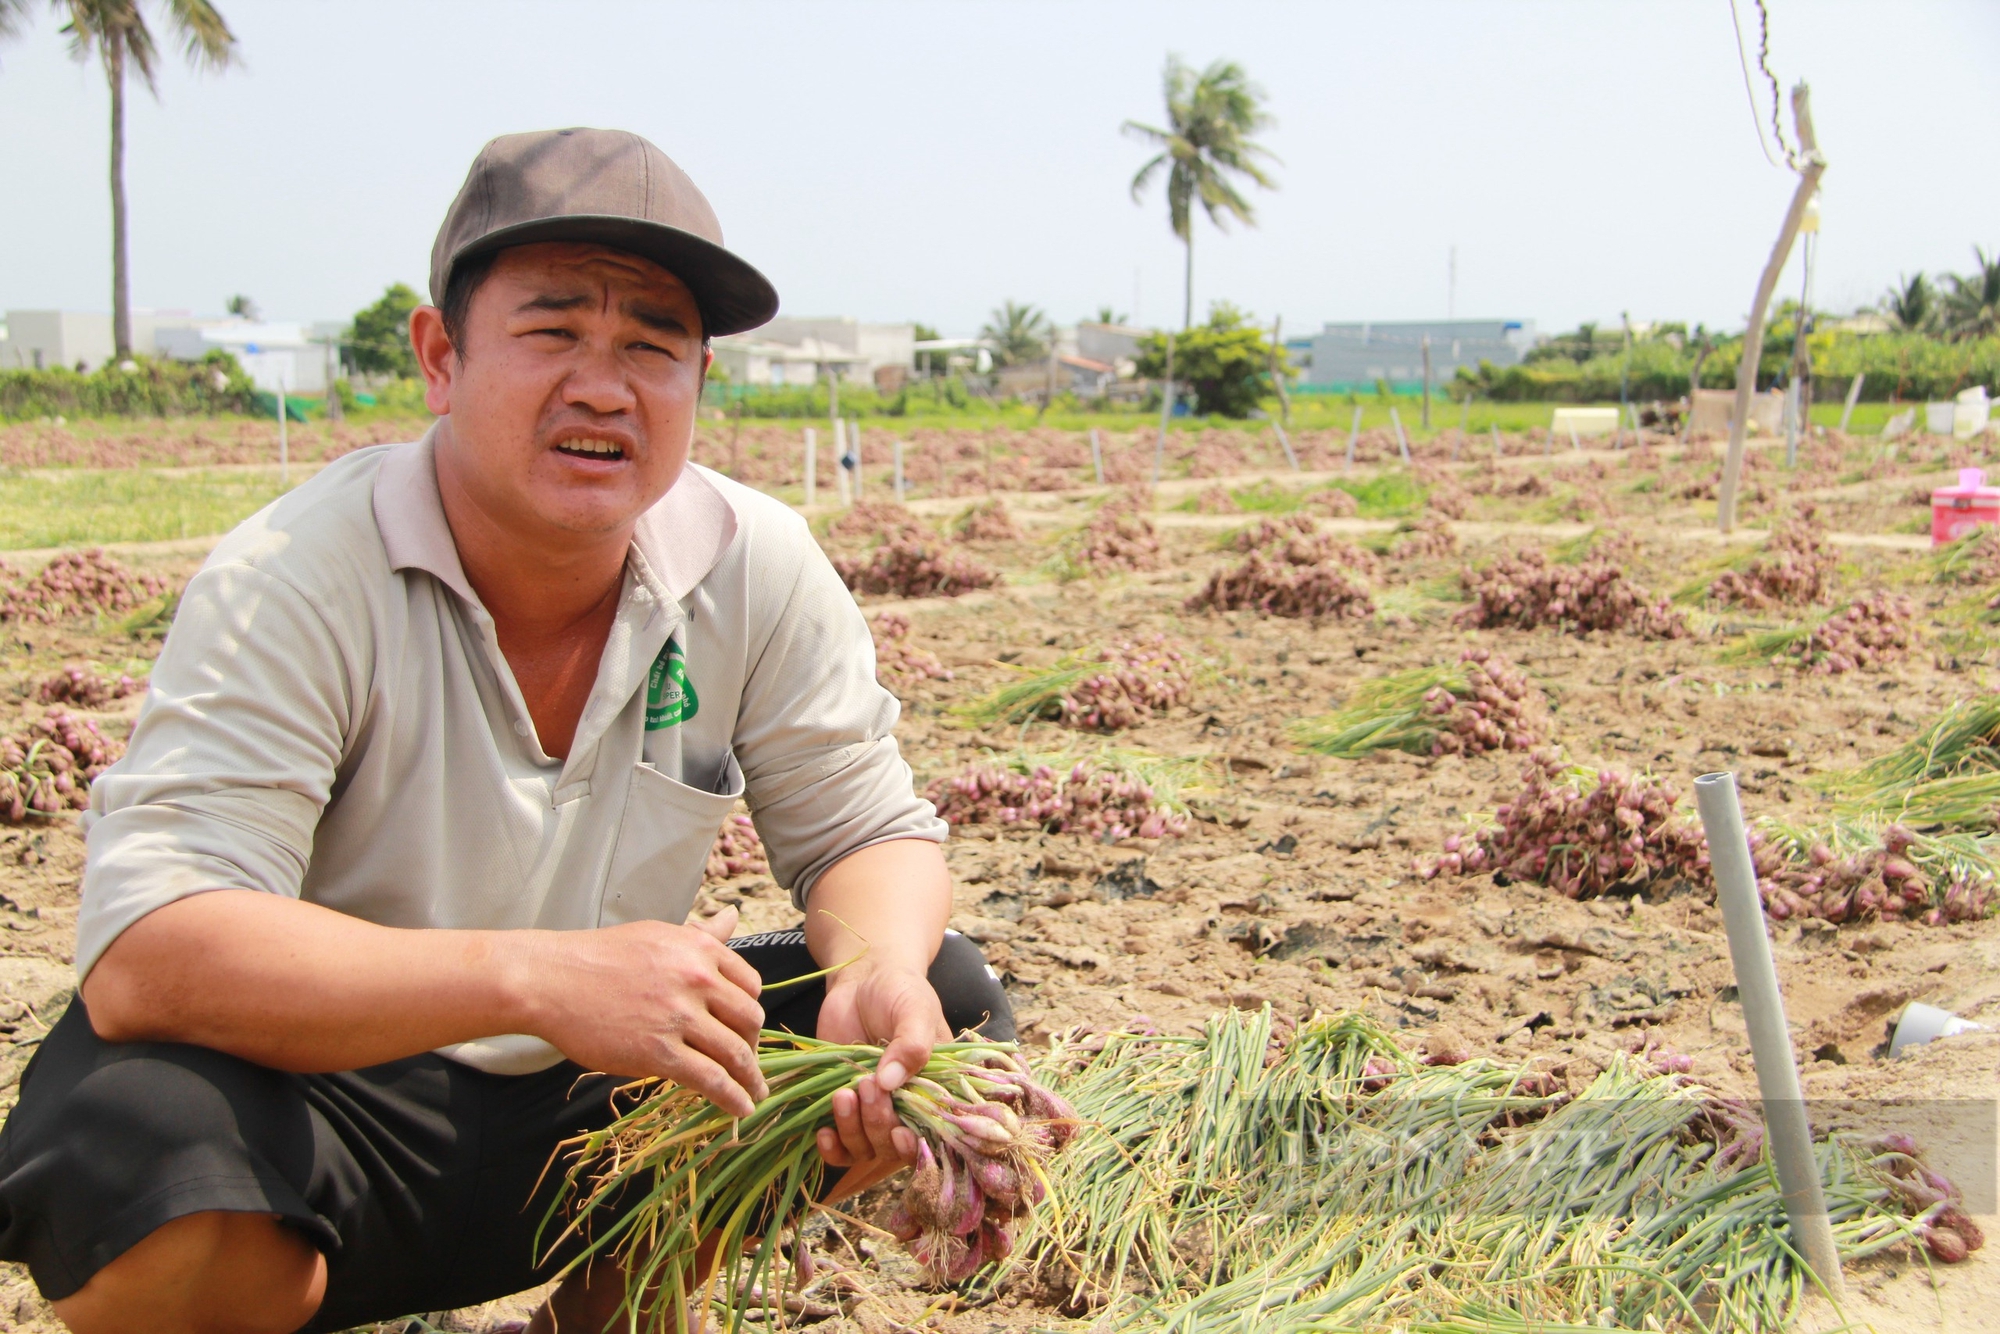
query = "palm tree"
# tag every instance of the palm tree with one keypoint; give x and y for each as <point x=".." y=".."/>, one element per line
<point x="1210" y="117"/>
<point x="115" y="31"/>
<point x="1972" y="307"/>
<point x="1912" y="303"/>
<point x="1019" y="334"/>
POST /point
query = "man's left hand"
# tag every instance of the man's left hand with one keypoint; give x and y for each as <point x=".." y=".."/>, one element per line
<point x="897" y="1008"/>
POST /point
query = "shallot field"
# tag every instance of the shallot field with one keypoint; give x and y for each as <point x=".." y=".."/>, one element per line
<point x="1407" y="743"/>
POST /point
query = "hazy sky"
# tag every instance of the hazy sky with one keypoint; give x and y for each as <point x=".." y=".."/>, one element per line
<point x="926" y="160"/>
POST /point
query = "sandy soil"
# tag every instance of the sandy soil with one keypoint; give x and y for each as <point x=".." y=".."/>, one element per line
<point x="1294" y="885"/>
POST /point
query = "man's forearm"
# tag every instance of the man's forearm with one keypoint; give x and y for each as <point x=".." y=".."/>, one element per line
<point x="888" y="904"/>
<point x="299" y="987"/>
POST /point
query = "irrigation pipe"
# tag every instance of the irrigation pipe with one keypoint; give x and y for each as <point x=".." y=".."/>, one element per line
<point x="1785" y="1125"/>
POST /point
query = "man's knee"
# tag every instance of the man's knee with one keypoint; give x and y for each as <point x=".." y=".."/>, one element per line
<point x="970" y="990"/>
<point x="204" y="1273"/>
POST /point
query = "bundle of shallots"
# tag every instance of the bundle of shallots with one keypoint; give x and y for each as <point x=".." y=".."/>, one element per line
<point x="77" y="684"/>
<point x="1525" y="591"/>
<point x="1099" y="803"/>
<point x="900" y="664"/>
<point x="1131" y="682"/>
<point x="48" y="768"/>
<point x="1883" y="883"/>
<point x="1581" y="832"/>
<point x="737" y="851"/>
<point x="1871" y="632"/>
<point x="1794" y="567"/>
<point x="1117" y="538"/>
<point x="77" y="583"/>
<point x="1426" y="537"/>
<point x="707" y="1184"/>
<point x="1277" y="587"/>
<point x="914" y="567"/>
<point x="988" y="521"/>
<point x="1297" y="540"/>
<point x="1498" y="708"/>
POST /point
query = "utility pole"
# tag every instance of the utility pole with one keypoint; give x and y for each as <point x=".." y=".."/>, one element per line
<point x="1814" y="166"/>
<point x="1427" y="382"/>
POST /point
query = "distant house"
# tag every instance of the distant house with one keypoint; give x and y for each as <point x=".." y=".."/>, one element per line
<point x="1073" y="375"/>
<point x="1346" y="357"/>
<point x="801" y="351"/>
<point x="270" y="354"/>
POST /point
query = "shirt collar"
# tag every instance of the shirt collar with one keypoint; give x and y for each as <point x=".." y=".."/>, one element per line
<point x="674" y="545"/>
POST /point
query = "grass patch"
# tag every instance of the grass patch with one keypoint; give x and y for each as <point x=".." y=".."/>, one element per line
<point x="1948" y="774"/>
<point x="46" y="508"/>
<point x="1386" y="713"/>
<point x="1386" y="495"/>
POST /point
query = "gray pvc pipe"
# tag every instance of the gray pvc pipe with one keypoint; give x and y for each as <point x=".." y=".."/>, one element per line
<point x="1786" y="1129"/>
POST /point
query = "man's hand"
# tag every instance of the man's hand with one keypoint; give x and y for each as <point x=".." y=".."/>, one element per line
<point x="650" y="998"/>
<point x="896" y="1008"/>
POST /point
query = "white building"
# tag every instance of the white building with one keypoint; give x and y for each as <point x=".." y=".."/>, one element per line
<point x="269" y="353"/>
<point x="802" y="351"/>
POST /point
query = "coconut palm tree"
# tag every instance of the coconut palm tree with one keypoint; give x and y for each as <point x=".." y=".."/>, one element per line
<point x="1210" y="117"/>
<point x="115" y="32"/>
<point x="1972" y="308"/>
<point x="1019" y="333"/>
<point x="1911" y="303"/>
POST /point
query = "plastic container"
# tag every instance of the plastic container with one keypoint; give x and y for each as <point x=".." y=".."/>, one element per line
<point x="1971" y="413"/>
<point x="1939" y="418"/>
<point x="1957" y="510"/>
<point x="1922" y="1023"/>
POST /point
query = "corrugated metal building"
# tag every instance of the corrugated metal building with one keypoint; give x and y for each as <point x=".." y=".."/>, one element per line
<point x="1354" y="356"/>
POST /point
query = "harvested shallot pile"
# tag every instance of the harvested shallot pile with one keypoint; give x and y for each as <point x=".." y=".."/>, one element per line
<point x="1909" y="876"/>
<point x="883" y="519"/>
<point x="1297" y="540"/>
<point x="1100" y="803"/>
<point x="1871" y="632"/>
<point x="48" y="768"/>
<point x="1102" y="690"/>
<point x="1525" y="591"/>
<point x="737" y="851"/>
<point x="1581" y="832"/>
<point x="914" y="566"/>
<point x="1794" y="567"/>
<point x="78" y="684"/>
<point x="988" y="521"/>
<point x="78" y="583"/>
<point x="1426" y="537"/>
<point x="1484" y="703"/>
<point x="898" y="662"/>
<point x="1118" y="537"/>
<point x="1279" y="588"/>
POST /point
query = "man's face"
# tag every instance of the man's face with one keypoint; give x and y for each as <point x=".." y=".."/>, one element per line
<point x="572" y="399"/>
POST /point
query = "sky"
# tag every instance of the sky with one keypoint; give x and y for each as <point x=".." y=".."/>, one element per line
<point x="926" y="161"/>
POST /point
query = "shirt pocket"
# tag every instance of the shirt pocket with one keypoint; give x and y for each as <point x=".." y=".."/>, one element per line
<point x="663" y="842"/>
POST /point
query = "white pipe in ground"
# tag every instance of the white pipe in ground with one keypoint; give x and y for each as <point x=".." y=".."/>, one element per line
<point x="1786" y="1129"/>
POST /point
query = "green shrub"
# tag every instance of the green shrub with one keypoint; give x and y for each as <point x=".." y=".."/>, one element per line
<point x="155" y="387"/>
<point x="1225" y="363"/>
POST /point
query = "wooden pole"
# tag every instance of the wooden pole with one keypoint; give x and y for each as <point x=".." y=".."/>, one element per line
<point x="1753" y="337"/>
<point x="854" y="443"/>
<point x="1096" y="456"/>
<point x="1166" y="410"/>
<point x="735" y="432"/>
<point x="284" y="449"/>
<point x="812" y="467"/>
<point x="899" y="469"/>
<point x="1278" y="374"/>
<point x="1402" y="441"/>
<point x="1853" y="397"/>
<point x="1353" y="434"/>
<point x="1427" y="382"/>
<point x="1464" y="415"/>
<point x="1496" y="440"/>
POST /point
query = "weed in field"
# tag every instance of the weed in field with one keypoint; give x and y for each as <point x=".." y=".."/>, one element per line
<point x="52" y="508"/>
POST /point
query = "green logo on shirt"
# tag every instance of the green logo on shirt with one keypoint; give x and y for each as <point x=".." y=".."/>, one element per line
<point x="670" y="696"/>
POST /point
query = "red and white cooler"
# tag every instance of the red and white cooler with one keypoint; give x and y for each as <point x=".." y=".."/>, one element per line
<point x="1957" y="510"/>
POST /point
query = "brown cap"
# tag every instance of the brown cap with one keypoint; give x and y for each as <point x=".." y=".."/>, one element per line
<point x="609" y="187"/>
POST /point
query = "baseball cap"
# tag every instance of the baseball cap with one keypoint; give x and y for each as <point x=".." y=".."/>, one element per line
<point x="608" y="187"/>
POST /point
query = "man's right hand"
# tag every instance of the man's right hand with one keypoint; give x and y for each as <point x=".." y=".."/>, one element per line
<point x="651" y="998"/>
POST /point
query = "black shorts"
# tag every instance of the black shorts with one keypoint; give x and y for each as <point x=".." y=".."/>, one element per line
<point x="416" y="1178"/>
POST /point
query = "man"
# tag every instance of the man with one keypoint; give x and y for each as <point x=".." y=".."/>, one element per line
<point x="425" y="781"/>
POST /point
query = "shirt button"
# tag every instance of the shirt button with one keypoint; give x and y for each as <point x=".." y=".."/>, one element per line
<point x="520" y="728"/>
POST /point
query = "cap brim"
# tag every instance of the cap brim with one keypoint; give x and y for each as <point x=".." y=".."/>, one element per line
<point x="732" y="295"/>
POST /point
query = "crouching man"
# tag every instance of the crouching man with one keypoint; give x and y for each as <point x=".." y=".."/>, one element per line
<point x="421" y="796"/>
